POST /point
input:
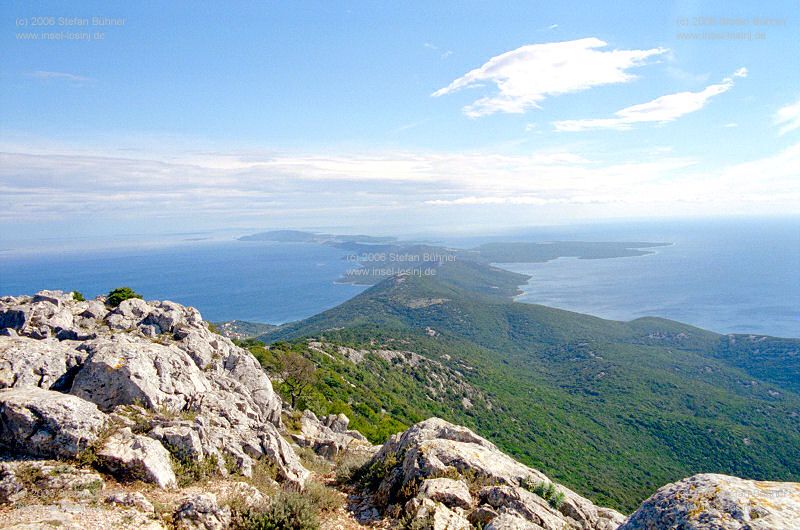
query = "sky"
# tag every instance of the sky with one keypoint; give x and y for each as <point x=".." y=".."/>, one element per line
<point x="158" y="117"/>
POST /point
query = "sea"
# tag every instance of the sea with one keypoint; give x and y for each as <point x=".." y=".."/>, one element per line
<point x="729" y="276"/>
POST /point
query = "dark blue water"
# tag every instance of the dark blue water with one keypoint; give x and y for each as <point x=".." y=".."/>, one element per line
<point x="256" y="281"/>
<point x="729" y="277"/>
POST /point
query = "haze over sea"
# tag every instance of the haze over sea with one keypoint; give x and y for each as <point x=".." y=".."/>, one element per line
<point x="728" y="276"/>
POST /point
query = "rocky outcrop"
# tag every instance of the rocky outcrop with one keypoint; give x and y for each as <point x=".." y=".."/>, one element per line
<point x="451" y="493"/>
<point x="201" y="395"/>
<point x="329" y="436"/>
<point x="201" y="512"/>
<point x="133" y="499"/>
<point x="48" y="424"/>
<point x="136" y="457"/>
<point x="20" y="479"/>
<point x="720" y="502"/>
<point x="429" y="464"/>
<point x="26" y="362"/>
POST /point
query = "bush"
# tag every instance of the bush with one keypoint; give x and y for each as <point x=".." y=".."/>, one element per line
<point x="349" y="465"/>
<point x="78" y="296"/>
<point x="322" y="498"/>
<point x="547" y="491"/>
<point x="287" y="511"/>
<point x="189" y="471"/>
<point x="119" y="295"/>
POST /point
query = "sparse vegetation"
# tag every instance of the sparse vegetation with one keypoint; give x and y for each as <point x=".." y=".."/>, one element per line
<point x="286" y="511"/>
<point x="191" y="470"/>
<point x="349" y="465"/>
<point x="313" y="462"/>
<point x="547" y="491"/>
<point x="119" y="295"/>
<point x="78" y="296"/>
<point x="30" y="475"/>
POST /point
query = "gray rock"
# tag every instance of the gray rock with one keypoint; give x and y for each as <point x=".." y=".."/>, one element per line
<point x="523" y="504"/>
<point x="434" y="448"/>
<point x="201" y="512"/>
<point x="451" y="493"/>
<point x="27" y="362"/>
<point x="508" y="521"/>
<point x="18" y="479"/>
<point x="325" y="441"/>
<point x="720" y="502"/>
<point x="430" y="515"/>
<point x="160" y="355"/>
<point x="123" y="371"/>
<point x="128" y="314"/>
<point x="183" y="440"/>
<point x="336" y="422"/>
<point x="482" y="516"/>
<point x="133" y="499"/>
<point x="46" y="423"/>
<point x="57" y="298"/>
<point x="136" y="457"/>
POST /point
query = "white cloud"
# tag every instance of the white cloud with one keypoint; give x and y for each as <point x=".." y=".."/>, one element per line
<point x="788" y="118"/>
<point x="64" y="76"/>
<point x="526" y="76"/>
<point x="223" y="188"/>
<point x="527" y="200"/>
<point x="661" y="110"/>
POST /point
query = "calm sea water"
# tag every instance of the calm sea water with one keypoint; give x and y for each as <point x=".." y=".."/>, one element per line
<point x="255" y="281"/>
<point x="730" y="277"/>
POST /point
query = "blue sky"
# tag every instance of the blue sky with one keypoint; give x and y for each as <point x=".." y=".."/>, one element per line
<point x="415" y="115"/>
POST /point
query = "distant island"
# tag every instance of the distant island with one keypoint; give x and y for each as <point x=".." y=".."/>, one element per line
<point x="376" y="258"/>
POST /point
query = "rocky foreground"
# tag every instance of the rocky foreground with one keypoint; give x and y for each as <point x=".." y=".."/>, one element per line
<point x="140" y="416"/>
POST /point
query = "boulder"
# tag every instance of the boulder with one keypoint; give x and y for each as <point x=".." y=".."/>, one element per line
<point x="18" y="479"/>
<point x="508" y="521"/>
<point x="720" y="502"/>
<point x="56" y="298"/>
<point x="128" y="314"/>
<point x="133" y="499"/>
<point x="201" y="512"/>
<point x="435" y="448"/>
<point x="121" y="370"/>
<point x="523" y="504"/>
<point x="326" y="442"/>
<point x="136" y="457"/>
<point x="336" y="422"/>
<point x="430" y="515"/>
<point x="45" y="423"/>
<point x="181" y="438"/>
<point x="451" y="493"/>
<point x="27" y="362"/>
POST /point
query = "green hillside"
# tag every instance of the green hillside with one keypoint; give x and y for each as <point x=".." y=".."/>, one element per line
<point x="613" y="409"/>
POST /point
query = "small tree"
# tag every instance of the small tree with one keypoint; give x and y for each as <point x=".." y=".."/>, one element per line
<point x="120" y="294"/>
<point x="296" y="373"/>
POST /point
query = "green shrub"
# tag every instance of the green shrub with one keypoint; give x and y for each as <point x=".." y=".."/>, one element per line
<point x="78" y="296"/>
<point x="322" y="498"/>
<point x="287" y="511"/>
<point x="119" y="295"/>
<point x="547" y="491"/>
<point x="349" y="465"/>
<point x="190" y="471"/>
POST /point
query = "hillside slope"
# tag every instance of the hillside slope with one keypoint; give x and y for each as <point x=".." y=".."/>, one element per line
<point x="612" y="409"/>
